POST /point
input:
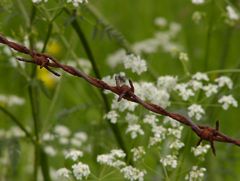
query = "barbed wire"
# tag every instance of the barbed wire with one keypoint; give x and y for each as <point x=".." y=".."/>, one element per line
<point x="124" y="91"/>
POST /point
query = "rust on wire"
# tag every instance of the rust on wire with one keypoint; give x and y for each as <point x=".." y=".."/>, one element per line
<point x="123" y="91"/>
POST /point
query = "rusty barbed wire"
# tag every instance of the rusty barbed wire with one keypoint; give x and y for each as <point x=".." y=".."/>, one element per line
<point x="123" y="91"/>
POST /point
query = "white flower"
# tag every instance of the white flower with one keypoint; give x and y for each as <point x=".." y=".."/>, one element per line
<point x="184" y="91"/>
<point x="11" y="100"/>
<point x="131" y="173"/>
<point x="80" y="170"/>
<point x="183" y="56"/>
<point x="232" y="15"/>
<point x="150" y="119"/>
<point x="81" y="136"/>
<point x="169" y="160"/>
<point x="117" y="153"/>
<point x="200" y="76"/>
<point x="39" y="1"/>
<point x="226" y="101"/>
<point x="138" y="153"/>
<point x="200" y="150"/>
<point x="63" y="173"/>
<point x="73" y="155"/>
<point x="167" y="82"/>
<point x="177" y="144"/>
<point x="172" y="122"/>
<point x="196" y="174"/>
<point x="50" y="150"/>
<point x="15" y="100"/>
<point x="176" y="132"/>
<point x="48" y="137"/>
<point x="131" y="118"/>
<point x="174" y="28"/>
<point x="224" y="80"/>
<point x="160" y="21"/>
<point x="62" y="131"/>
<point x="198" y="1"/>
<point x="148" y="91"/>
<point x="112" y="116"/>
<point x="135" y="63"/>
<point x="77" y="2"/>
<point x="210" y="89"/>
<point x="159" y="133"/>
<point x="15" y="132"/>
<point x="123" y="105"/>
<point x="195" y="84"/>
<point x="197" y="16"/>
<point x="112" y="159"/>
<point x="134" y="130"/>
<point x="196" y="111"/>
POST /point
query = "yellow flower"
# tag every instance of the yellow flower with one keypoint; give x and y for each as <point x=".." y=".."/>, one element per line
<point x="54" y="48"/>
<point x="46" y="77"/>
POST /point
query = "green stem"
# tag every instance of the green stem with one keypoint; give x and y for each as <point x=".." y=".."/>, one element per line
<point x="89" y="53"/>
<point x="225" y="47"/>
<point x="209" y="33"/>
<point x="18" y="123"/>
<point x="34" y="107"/>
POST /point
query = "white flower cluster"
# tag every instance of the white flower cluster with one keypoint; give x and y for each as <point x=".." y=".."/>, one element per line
<point x="169" y="161"/>
<point x="73" y="154"/>
<point x="13" y="132"/>
<point x="167" y="82"/>
<point x="198" y="1"/>
<point x="184" y="91"/>
<point x="134" y="130"/>
<point x="63" y="173"/>
<point x="123" y="105"/>
<point x="149" y="91"/>
<point x="64" y="136"/>
<point x="150" y="119"/>
<point x="112" y="116"/>
<point x="200" y="150"/>
<point x="183" y="56"/>
<point x="201" y="82"/>
<point x="232" y="14"/>
<point x="159" y="134"/>
<point x="138" y="153"/>
<point x="39" y="1"/>
<point x="226" y="101"/>
<point x="76" y="3"/>
<point x="135" y="63"/>
<point x="196" y="173"/>
<point x="196" y="111"/>
<point x="112" y="159"/>
<point x="11" y="100"/>
<point x="80" y="170"/>
<point x="131" y="173"/>
<point x="161" y="39"/>
<point x="160" y="21"/>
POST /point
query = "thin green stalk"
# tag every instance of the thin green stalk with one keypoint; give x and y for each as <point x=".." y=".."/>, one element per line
<point x="89" y="53"/>
<point x="18" y="123"/>
<point x="209" y="34"/>
<point x="225" y="47"/>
